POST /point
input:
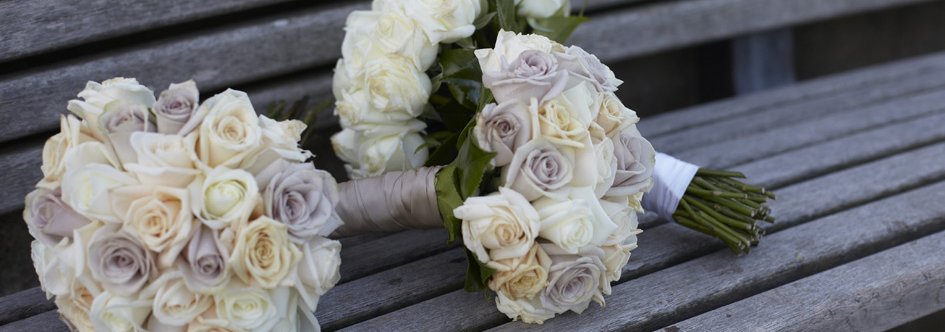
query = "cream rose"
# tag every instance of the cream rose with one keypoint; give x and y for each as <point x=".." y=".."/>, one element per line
<point x="530" y="311"/>
<point x="521" y="277"/>
<point x="175" y="107"/>
<point x="614" y="117"/>
<point x="54" y="151"/>
<point x="48" y="219"/>
<point x="498" y="226"/>
<point x="560" y="123"/>
<point x="165" y="160"/>
<point x="575" y="280"/>
<point x="224" y="196"/>
<point x="503" y="129"/>
<point x="508" y="46"/>
<point x="97" y="95"/>
<point x="542" y="8"/>
<point x="173" y="303"/>
<point x="158" y="216"/>
<point x="229" y="131"/>
<point x="111" y="312"/>
<point x="444" y="21"/>
<point x="243" y="307"/>
<point x="263" y="253"/>
<point x="372" y="34"/>
<point x="385" y="89"/>
<point x="318" y="270"/>
<point x="88" y="190"/>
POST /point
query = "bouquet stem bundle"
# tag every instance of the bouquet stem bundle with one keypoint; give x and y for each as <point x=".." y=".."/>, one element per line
<point x="717" y="204"/>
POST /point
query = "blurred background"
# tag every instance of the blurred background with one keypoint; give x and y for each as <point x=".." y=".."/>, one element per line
<point x="284" y="50"/>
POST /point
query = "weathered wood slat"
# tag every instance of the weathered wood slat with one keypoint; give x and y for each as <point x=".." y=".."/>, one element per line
<point x="661" y="124"/>
<point x="667" y="245"/>
<point x="659" y="27"/>
<point x="807" y="111"/>
<point x="23" y="304"/>
<point x="822" y="128"/>
<point x="45" y="322"/>
<point x="679" y="292"/>
<point x="32" y="27"/>
<point x="875" y="293"/>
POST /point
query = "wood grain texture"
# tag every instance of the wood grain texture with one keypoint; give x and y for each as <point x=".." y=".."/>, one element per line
<point x="23" y="304"/>
<point x="685" y="290"/>
<point x="659" y="27"/>
<point x="44" y="322"/>
<point x="667" y="245"/>
<point x="32" y="27"/>
<point x="874" y="293"/>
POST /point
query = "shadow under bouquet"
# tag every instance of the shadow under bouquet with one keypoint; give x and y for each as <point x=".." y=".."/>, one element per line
<point x="483" y="123"/>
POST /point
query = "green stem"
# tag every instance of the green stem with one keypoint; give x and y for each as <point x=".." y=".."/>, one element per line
<point x="719" y="173"/>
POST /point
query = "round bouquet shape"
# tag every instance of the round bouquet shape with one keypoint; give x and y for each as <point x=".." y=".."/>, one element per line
<point x="168" y="214"/>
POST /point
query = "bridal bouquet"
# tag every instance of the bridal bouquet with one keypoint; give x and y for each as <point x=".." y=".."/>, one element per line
<point x="169" y="214"/>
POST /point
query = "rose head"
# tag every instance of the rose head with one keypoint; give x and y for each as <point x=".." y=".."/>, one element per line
<point x="204" y="267"/>
<point x="48" y="218"/>
<point x="635" y="161"/>
<point x="303" y="198"/>
<point x="503" y="129"/>
<point x="498" y="226"/>
<point x="538" y="169"/>
<point x="175" y="106"/>
<point x="119" y="261"/>
<point x="573" y="281"/>
<point x="534" y="74"/>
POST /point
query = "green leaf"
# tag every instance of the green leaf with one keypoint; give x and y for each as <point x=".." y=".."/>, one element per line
<point x="484" y="20"/>
<point x="477" y="274"/>
<point x="448" y="199"/>
<point x="462" y="77"/>
<point x="557" y="28"/>
<point x="508" y="19"/>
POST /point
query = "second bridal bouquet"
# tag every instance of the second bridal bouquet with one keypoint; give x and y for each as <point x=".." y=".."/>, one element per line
<point x="169" y="214"/>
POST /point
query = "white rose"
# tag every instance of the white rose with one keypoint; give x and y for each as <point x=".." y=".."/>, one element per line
<point x="77" y="318"/>
<point x="614" y="117"/>
<point x="574" y="222"/>
<point x="625" y="217"/>
<point x="381" y="148"/>
<point x="62" y="269"/>
<point x="280" y="142"/>
<point x="245" y="307"/>
<point x="173" y="303"/>
<point x="263" y="253"/>
<point x="318" y="271"/>
<point x="97" y="95"/>
<point x="54" y="151"/>
<point x="229" y="131"/>
<point x="521" y="277"/>
<point x="530" y="311"/>
<point x="606" y="166"/>
<point x="385" y="89"/>
<point x="115" y="313"/>
<point x="224" y="196"/>
<point x="159" y="216"/>
<point x="615" y="258"/>
<point x="508" y="46"/>
<point x="165" y="160"/>
<point x="542" y="8"/>
<point x="444" y="21"/>
<point x="371" y="34"/>
<point x="88" y="190"/>
<point x="498" y="226"/>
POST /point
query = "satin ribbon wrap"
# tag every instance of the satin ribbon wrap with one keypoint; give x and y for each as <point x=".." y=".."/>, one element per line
<point x="671" y="177"/>
<point x="393" y="202"/>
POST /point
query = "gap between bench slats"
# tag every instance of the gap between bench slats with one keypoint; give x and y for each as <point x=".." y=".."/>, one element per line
<point x="875" y="293"/>
<point x="669" y="244"/>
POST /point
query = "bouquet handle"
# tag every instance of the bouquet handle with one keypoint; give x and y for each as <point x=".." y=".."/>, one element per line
<point x="393" y="202"/>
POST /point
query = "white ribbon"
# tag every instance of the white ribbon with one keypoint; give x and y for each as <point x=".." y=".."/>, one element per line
<point x="671" y="177"/>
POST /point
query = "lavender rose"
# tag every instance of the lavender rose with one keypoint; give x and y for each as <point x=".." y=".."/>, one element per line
<point x="587" y="66"/>
<point x="635" y="161"/>
<point x="119" y="121"/>
<point x="537" y="169"/>
<point x="48" y="218"/>
<point x="203" y="265"/>
<point x="303" y="198"/>
<point x="534" y="74"/>
<point x="119" y="261"/>
<point x="502" y="129"/>
<point x="175" y="106"/>
<point x="575" y="280"/>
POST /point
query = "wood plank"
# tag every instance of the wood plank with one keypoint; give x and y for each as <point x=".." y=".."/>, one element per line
<point x="807" y="111"/>
<point x="23" y="304"/>
<point x="875" y="293"/>
<point x="667" y="245"/>
<point x="762" y="61"/>
<point x="819" y="129"/>
<point x="679" y="292"/>
<point x="46" y="322"/>
<point x="33" y="27"/>
<point x="662" y="124"/>
<point x="659" y="27"/>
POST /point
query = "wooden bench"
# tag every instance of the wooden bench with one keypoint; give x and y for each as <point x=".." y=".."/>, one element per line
<point x="858" y="160"/>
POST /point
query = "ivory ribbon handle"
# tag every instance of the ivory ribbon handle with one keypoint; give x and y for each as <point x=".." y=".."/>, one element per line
<point x="671" y="177"/>
<point x="392" y="202"/>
